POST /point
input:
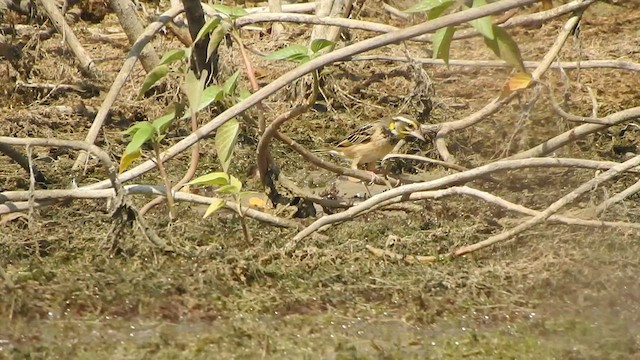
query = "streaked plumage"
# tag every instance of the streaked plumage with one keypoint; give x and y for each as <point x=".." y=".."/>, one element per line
<point x="372" y="142"/>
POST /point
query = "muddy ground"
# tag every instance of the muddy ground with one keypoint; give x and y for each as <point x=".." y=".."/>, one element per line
<point x="563" y="292"/>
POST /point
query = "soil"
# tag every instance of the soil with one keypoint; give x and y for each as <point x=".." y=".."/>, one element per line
<point x="555" y="292"/>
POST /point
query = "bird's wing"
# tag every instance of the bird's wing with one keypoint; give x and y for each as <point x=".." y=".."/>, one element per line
<point x="360" y="136"/>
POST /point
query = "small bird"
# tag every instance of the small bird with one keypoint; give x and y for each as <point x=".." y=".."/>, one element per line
<point x="373" y="141"/>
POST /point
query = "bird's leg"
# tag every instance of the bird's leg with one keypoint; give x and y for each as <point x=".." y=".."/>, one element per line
<point x="371" y="167"/>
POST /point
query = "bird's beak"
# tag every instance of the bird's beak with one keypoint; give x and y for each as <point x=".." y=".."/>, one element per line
<point x="417" y="134"/>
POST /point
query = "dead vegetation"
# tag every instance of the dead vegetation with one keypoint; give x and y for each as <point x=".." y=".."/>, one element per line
<point x="380" y="284"/>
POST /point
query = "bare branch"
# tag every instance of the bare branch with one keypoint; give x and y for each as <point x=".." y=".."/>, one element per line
<point x="87" y="65"/>
<point x="73" y="144"/>
<point x="586" y="64"/>
<point x="9" y="197"/>
<point x="553" y="208"/>
<point x="578" y="132"/>
<point x="442" y="182"/>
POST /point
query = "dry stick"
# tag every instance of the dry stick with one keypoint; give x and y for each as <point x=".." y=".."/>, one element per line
<point x="149" y="190"/>
<point x="275" y="6"/>
<point x="120" y="80"/>
<point x="425" y="159"/>
<point x="287" y="8"/>
<point x="132" y="26"/>
<point x="495" y="105"/>
<point x="73" y="144"/>
<point x="631" y="190"/>
<point x="578" y="133"/>
<point x="587" y="64"/>
<point x="87" y="66"/>
<point x="314" y="64"/>
<point x="442" y="182"/>
<point x="263" y="145"/>
<point x="523" y="20"/>
<point x="553" y="208"/>
<point x="573" y="118"/>
<point x="498" y="201"/>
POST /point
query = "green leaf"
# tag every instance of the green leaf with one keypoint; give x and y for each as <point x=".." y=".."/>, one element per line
<point x="142" y="135"/>
<point x="133" y="128"/>
<point x="294" y="52"/>
<point x="210" y="94"/>
<point x="226" y="137"/>
<point x="435" y="12"/>
<point x="144" y="132"/>
<point x="216" y="204"/>
<point x="427" y="5"/>
<point x="243" y="94"/>
<point x="193" y="88"/>
<point x="215" y="178"/>
<point x="484" y="25"/>
<point x="173" y="56"/>
<point x="319" y="44"/>
<point x="215" y="39"/>
<point x="231" y="11"/>
<point x="153" y="77"/>
<point x="442" y="42"/>
<point x="233" y="187"/>
<point x="229" y="86"/>
<point x="162" y="123"/>
<point x="506" y="48"/>
<point x="208" y="27"/>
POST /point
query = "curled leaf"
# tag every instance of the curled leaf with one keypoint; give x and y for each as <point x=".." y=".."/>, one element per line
<point x="216" y="204"/>
<point x="319" y="44"/>
<point x="153" y="77"/>
<point x="226" y="137"/>
<point x="208" y="27"/>
<point x="173" y="55"/>
<point x="294" y="52"/>
<point x="505" y="48"/>
<point x="442" y="42"/>
<point x="519" y="81"/>
<point x="214" y="178"/>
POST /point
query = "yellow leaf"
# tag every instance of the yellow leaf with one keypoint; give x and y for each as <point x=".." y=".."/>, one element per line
<point x="127" y="159"/>
<point x="519" y="81"/>
<point x="547" y="4"/>
<point x="257" y="202"/>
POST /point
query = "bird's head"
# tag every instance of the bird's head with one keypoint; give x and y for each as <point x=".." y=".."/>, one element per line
<point x="403" y="126"/>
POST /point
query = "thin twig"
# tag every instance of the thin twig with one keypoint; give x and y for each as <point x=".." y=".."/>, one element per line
<point x="381" y="253"/>
<point x="552" y="209"/>
<point x="586" y="64"/>
<point x="458" y="178"/>
<point x="73" y="144"/>
<point x="578" y="132"/>
<point x="7" y="198"/>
